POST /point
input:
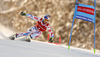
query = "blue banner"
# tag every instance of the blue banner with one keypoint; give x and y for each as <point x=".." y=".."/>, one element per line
<point x="85" y="12"/>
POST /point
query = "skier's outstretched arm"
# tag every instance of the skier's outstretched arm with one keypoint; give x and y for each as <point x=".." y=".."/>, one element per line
<point x="30" y="16"/>
<point x="51" y="33"/>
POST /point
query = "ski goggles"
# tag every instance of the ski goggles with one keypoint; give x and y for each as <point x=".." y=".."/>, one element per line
<point x="46" y="20"/>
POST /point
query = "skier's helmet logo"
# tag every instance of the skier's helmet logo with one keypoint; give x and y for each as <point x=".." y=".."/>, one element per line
<point x="47" y="17"/>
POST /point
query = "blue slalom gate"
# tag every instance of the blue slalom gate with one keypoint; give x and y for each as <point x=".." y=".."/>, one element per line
<point x="86" y="13"/>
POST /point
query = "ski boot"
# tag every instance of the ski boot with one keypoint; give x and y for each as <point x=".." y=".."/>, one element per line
<point x="28" y="39"/>
<point x="12" y="37"/>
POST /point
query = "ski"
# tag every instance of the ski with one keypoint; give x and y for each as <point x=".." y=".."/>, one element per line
<point x="12" y="37"/>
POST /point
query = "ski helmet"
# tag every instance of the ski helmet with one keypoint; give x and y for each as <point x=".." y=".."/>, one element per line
<point x="46" y="17"/>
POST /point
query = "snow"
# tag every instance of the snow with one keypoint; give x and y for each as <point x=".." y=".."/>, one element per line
<point x="4" y="30"/>
<point x="17" y="48"/>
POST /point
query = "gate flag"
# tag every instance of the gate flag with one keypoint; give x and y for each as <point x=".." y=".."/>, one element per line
<point x="86" y="13"/>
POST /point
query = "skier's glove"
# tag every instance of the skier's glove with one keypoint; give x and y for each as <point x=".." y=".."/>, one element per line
<point x="23" y="14"/>
<point x="51" y="40"/>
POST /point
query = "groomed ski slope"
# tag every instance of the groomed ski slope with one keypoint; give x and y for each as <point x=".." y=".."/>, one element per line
<point x="9" y="48"/>
<point x="17" y="48"/>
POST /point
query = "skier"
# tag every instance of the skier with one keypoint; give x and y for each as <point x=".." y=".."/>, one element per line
<point x="35" y="31"/>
